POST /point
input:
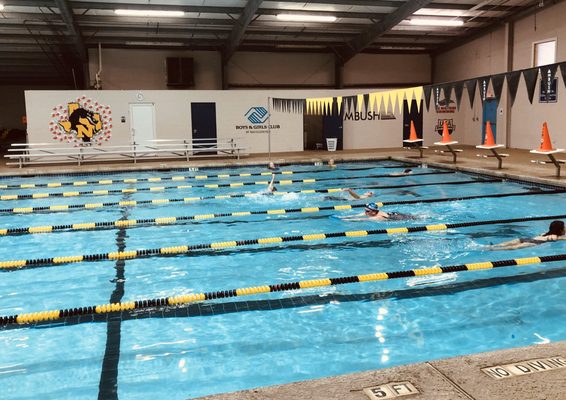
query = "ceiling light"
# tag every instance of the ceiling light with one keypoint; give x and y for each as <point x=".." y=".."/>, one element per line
<point x="300" y="46"/>
<point x="149" y="13"/>
<point x="408" y="48"/>
<point x="141" y="43"/>
<point x="306" y="18"/>
<point x="436" y="22"/>
<point x="1" y="7"/>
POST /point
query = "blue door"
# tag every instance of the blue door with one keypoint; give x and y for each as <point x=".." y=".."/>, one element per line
<point x="203" y="122"/>
<point x="489" y="114"/>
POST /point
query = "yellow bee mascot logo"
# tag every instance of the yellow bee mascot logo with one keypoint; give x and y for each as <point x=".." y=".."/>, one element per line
<point x="84" y="122"/>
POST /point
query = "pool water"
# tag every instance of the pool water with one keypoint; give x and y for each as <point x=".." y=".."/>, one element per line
<point x="245" y="342"/>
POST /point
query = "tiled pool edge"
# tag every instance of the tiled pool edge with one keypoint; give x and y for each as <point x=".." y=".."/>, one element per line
<point x="446" y="379"/>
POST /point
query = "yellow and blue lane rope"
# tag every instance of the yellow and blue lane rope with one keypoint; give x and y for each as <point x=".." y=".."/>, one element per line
<point x="135" y="203"/>
<point x="184" y="249"/>
<point x="177" y="178"/>
<point x="106" y="192"/>
<point x="182" y="300"/>
<point x="170" y="220"/>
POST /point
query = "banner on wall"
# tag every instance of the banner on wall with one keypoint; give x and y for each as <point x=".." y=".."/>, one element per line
<point x="375" y="105"/>
<point x="81" y="122"/>
<point x="390" y="101"/>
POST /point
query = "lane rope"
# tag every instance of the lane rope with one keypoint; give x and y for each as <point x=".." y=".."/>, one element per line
<point x="171" y="178"/>
<point x="106" y="192"/>
<point x="181" y="300"/>
<point x="170" y="220"/>
<point x="184" y="249"/>
<point x="135" y="203"/>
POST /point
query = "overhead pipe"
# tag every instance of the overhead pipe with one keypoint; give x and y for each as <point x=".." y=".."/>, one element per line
<point x="97" y="78"/>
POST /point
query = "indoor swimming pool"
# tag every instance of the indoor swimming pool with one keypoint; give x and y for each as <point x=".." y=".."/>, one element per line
<point x="79" y="242"/>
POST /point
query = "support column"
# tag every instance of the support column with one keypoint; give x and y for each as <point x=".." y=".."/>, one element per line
<point x="338" y="73"/>
<point x="509" y="47"/>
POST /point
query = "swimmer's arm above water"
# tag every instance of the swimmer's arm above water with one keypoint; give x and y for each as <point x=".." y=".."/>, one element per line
<point x="352" y="193"/>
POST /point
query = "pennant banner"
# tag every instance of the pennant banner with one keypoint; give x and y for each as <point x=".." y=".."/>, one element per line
<point x="458" y="92"/>
<point x="512" y="84"/>
<point x="471" y="86"/>
<point x="563" y="71"/>
<point x="393" y="100"/>
<point x="288" y="105"/>
<point x="447" y="94"/>
<point x="427" y="92"/>
<point x="497" y="84"/>
<point x="417" y="94"/>
<point x="531" y="76"/>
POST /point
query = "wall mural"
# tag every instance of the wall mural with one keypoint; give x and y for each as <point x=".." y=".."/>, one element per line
<point x="84" y="122"/>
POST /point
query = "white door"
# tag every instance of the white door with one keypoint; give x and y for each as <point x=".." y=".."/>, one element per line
<point x="142" y="122"/>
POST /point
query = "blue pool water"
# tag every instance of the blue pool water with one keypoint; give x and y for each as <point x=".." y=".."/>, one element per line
<point x="245" y="342"/>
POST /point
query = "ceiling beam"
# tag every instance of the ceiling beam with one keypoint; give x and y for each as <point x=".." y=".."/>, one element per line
<point x="485" y="30"/>
<point x="235" y="37"/>
<point x="238" y="10"/>
<point x="73" y="28"/>
<point x="397" y="4"/>
<point x="369" y="35"/>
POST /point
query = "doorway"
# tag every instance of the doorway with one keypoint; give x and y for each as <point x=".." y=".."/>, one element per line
<point x="203" y="122"/>
<point x="142" y="122"/>
<point x="318" y="128"/>
<point x="313" y="138"/>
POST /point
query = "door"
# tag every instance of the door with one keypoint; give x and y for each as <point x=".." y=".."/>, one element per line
<point x="203" y="122"/>
<point x="489" y="114"/>
<point x="415" y="115"/>
<point x="333" y="126"/>
<point x="142" y="122"/>
<point x="312" y="132"/>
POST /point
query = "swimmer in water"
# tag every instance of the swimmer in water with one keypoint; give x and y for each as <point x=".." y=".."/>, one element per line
<point x="373" y="213"/>
<point x="555" y="232"/>
<point x="352" y="195"/>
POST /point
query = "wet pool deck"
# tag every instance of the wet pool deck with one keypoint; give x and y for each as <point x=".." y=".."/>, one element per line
<point x="448" y="379"/>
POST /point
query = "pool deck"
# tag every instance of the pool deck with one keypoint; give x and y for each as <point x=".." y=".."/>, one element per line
<point x="518" y="164"/>
<point x="447" y="379"/>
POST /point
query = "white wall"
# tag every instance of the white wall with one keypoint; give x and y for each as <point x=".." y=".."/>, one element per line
<point x="173" y="117"/>
<point x="527" y="119"/>
<point x="487" y="55"/>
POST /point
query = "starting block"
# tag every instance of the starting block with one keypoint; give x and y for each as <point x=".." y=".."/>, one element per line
<point x="493" y="149"/>
<point x="550" y="154"/>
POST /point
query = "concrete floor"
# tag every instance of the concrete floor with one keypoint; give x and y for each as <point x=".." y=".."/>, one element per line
<point x="450" y="379"/>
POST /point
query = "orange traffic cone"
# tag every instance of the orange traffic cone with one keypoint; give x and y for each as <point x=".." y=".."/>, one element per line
<point x="488" y="141"/>
<point x="413" y="135"/>
<point x="545" y="143"/>
<point x="445" y="134"/>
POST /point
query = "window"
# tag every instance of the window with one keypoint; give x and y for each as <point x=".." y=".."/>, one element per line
<point x="544" y="52"/>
